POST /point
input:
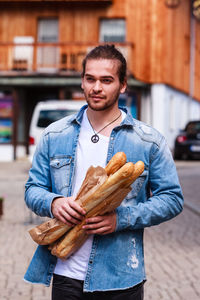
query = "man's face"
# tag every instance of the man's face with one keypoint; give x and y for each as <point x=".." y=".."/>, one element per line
<point x="101" y="83"/>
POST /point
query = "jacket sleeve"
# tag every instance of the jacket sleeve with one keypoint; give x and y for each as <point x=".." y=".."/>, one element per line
<point x="38" y="194"/>
<point x="167" y="199"/>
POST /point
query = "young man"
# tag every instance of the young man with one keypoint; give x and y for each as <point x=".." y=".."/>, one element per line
<point x="110" y="264"/>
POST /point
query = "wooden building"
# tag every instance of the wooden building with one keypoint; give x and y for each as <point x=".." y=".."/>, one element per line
<point x="42" y="44"/>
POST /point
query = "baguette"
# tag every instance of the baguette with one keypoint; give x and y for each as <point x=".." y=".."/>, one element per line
<point x="116" y="162"/>
<point x="113" y="182"/>
<point x="94" y="177"/>
<point x="98" y="194"/>
<point x="53" y="229"/>
<point x="50" y="231"/>
<point x="76" y="237"/>
<point x="138" y="170"/>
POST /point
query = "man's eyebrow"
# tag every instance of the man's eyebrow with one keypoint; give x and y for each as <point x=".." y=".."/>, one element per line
<point x="86" y="74"/>
<point x="102" y="77"/>
<point x="107" y="76"/>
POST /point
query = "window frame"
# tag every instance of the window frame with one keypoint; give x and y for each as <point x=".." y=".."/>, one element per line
<point x="102" y="40"/>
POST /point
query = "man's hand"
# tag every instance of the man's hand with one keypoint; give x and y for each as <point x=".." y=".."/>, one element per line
<point x="67" y="211"/>
<point x="101" y="224"/>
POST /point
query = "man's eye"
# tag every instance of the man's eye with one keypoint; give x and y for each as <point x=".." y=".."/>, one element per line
<point x="106" y="81"/>
<point x="89" y="79"/>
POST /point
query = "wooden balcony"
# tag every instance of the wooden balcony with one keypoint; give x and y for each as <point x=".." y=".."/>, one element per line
<point x="56" y="0"/>
<point x="48" y="57"/>
<point x="70" y="1"/>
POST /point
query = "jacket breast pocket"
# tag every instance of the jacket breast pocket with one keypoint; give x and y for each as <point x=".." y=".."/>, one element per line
<point x="136" y="188"/>
<point x="60" y="174"/>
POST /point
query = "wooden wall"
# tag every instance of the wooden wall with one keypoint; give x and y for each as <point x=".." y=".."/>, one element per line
<point x="77" y="23"/>
<point x="161" y="35"/>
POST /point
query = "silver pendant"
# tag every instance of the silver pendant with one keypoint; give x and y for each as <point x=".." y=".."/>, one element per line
<point x="95" y="138"/>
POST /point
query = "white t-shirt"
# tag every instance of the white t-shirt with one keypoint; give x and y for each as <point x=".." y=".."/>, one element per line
<point x="88" y="154"/>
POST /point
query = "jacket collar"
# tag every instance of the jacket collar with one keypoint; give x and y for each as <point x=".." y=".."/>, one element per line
<point x="128" y="121"/>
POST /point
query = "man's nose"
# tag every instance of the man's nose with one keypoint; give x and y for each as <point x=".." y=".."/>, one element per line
<point x="97" y="86"/>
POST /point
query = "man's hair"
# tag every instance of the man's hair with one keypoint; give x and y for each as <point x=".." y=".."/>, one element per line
<point x="107" y="52"/>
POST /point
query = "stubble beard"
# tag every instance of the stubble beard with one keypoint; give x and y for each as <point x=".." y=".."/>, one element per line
<point x="107" y="105"/>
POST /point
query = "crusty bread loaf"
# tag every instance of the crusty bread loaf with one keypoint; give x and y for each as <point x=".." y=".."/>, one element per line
<point x="102" y="191"/>
<point x="94" y="177"/>
<point x="110" y="199"/>
<point x="113" y="182"/>
<point x="77" y="236"/>
<point x="48" y="232"/>
<point x="116" y="162"/>
<point x="138" y="170"/>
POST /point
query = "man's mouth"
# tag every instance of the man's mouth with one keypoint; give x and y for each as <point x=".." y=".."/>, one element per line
<point x="96" y="97"/>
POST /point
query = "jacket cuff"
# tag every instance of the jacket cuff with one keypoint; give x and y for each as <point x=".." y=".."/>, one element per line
<point x="49" y="203"/>
<point x="123" y="220"/>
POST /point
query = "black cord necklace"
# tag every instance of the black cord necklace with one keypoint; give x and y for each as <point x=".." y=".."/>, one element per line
<point x="95" y="137"/>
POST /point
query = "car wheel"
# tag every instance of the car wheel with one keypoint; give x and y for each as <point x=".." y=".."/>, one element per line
<point x="177" y="155"/>
<point x="185" y="156"/>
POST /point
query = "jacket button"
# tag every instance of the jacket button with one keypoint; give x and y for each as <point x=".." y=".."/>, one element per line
<point x="90" y="261"/>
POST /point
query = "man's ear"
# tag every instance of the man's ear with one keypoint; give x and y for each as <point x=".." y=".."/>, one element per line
<point x="123" y="86"/>
<point x="82" y="82"/>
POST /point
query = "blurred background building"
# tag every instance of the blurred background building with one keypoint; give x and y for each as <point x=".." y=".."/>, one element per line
<point x="42" y="44"/>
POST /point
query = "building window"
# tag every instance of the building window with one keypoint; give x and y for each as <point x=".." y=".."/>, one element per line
<point x="113" y="30"/>
<point x="48" y="30"/>
<point x="47" y="55"/>
<point x="23" y="54"/>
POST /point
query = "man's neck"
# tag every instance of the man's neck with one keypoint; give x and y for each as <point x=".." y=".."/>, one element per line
<point x="99" y="119"/>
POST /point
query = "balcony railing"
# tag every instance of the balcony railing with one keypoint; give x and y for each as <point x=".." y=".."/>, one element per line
<point x="56" y="1"/>
<point x="48" y="57"/>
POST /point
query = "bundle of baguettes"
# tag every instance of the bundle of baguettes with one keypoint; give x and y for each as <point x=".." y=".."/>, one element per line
<point x="102" y="191"/>
<point x="51" y="230"/>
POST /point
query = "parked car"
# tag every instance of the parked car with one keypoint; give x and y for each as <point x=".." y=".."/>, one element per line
<point x="187" y="143"/>
<point x="45" y="113"/>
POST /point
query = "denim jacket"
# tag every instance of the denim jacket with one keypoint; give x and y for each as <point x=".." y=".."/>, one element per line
<point x="117" y="259"/>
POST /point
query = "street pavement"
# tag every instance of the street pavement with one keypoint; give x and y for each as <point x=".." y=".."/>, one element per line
<point x="171" y="249"/>
<point x="189" y="172"/>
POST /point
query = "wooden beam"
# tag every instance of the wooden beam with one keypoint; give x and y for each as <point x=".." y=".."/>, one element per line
<point x="15" y="122"/>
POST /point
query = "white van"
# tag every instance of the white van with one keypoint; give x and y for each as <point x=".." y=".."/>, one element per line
<point x="47" y="112"/>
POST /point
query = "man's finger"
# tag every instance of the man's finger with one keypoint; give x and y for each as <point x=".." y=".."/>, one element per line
<point x="101" y="231"/>
<point x="95" y="220"/>
<point x="71" y="218"/>
<point x="72" y="213"/>
<point x="77" y="207"/>
<point x="61" y="218"/>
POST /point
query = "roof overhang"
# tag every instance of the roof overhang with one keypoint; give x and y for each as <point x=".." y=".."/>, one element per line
<point x="62" y="81"/>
